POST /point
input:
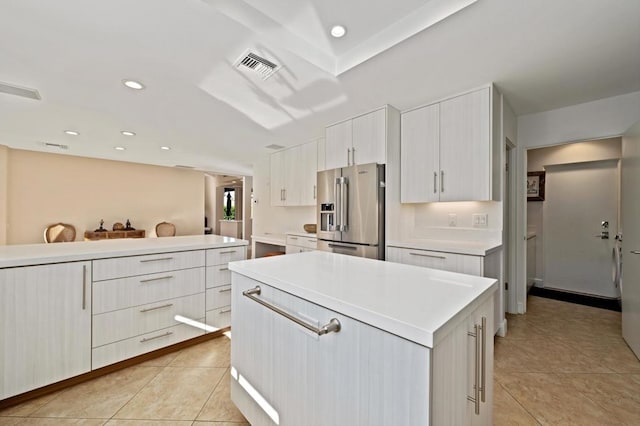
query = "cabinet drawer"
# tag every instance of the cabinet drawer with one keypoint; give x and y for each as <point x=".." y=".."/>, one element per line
<point x="218" y="275"/>
<point x="452" y="262"/>
<point x="124" y="349"/>
<point x="218" y="297"/>
<point x="226" y="254"/>
<point x="135" y="291"/>
<point x="305" y="242"/>
<point x="121" y="267"/>
<point x="118" y="325"/>
<point x="219" y="318"/>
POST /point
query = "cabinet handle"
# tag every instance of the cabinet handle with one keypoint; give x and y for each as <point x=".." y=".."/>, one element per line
<point x="476" y="371"/>
<point x="84" y="287"/>
<point x="313" y="241"/>
<point x="353" y="156"/>
<point x="156" y="307"/>
<point x="146" y="339"/>
<point x="284" y="191"/>
<point x="427" y="255"/>
<point x="435" y="182"/>
<point x="483" y="342"/>
<point x="155" y="260"/>
<point x="156" y="279"/>
<point x="224" y="290"/>
<point x="227" y="252"/>
<point x="348" y="156"/>
<point x="332" y="326"/>
<point x="226" y="311"/>
<point x="314" y="192"/>
<point x="293" y="238"/>
<point x="225" y="268"/>
<point x="635" y="252"/>
<point x="441" y="180"/>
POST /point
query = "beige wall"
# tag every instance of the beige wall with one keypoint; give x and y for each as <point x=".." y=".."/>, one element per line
<point x="47" y="188"/>
<point x="4" y="156"/>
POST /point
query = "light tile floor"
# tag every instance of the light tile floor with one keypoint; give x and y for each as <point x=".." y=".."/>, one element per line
<point x="565" y="364"/>
<point x="560" y="363"/>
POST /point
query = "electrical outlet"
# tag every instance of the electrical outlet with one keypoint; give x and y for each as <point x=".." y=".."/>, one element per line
<point x="480" y="220"/>
<point x="453" y="219"/>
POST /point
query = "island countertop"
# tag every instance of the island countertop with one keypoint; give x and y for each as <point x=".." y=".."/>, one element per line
<point x="34" y="254"/>
<point x="408" y="301"/>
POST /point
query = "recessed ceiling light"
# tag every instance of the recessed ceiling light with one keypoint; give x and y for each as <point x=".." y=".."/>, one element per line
<point x="127" y="133"/>
<point x="165" y="148"/>
<point x="120" y="148"/>
<point x="71" y="132"/>
<point x="132" y="84"/>
<point x="338" y="31"/>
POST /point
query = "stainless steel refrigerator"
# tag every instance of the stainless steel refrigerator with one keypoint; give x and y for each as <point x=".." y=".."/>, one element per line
<point x="351" y="210"/>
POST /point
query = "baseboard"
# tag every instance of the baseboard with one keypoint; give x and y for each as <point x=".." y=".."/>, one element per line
<point x="502" y="328"/>
<point x="580" y="299"/>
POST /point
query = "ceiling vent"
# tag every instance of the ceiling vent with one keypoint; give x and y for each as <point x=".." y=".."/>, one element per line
<point x="25" y="92"/>
<point x="274" y="146"/>
<point x="259" y="65"/>
<point x="56" y="145"/>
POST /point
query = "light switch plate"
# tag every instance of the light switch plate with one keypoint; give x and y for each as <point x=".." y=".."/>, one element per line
<point x="453" y="219"/>
<point x="480" y="220"/>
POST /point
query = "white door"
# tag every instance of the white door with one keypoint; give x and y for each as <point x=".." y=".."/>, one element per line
<point x="630" y="195"/>
<point x="579" y="197"/>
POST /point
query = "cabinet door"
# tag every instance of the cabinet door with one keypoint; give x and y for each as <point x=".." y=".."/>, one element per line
<point x="308" y="161"/>
<point x="45" y="325"/>
<point x="276" y="184"/>
<point x="420" y="158"/>
<point x="338" y="144"/>
<point x="358" y="376"/>
<point x="465" y="148"/>
<point x="370" y="138"/>
<point x="292" y="182"/>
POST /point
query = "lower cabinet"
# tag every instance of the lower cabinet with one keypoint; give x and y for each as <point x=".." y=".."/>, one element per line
<point x="218" y="284"/>
<point x="45" y="325"/>
<point x="299" y="244"/>
<point x="284" y="374"/>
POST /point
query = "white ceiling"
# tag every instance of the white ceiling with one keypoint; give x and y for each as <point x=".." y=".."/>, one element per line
<point x="542" y="54"/>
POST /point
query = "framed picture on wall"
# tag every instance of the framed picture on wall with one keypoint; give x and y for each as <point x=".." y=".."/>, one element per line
<point x="535" y="186"/>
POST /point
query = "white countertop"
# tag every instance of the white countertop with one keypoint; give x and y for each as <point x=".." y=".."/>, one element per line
<point x="268" y="238"/>
<point x="408" y="301"/>
<point x="474" y="248"/>
<point x="35" y="254"/>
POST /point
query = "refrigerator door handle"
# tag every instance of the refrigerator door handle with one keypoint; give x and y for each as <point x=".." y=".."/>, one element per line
<point x="344" y="208"/>
<point x="338" y="208"/>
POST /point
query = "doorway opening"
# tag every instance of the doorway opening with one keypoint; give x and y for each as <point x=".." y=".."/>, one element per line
<point x="228" y="209"/>
<point x="573" y="205"/>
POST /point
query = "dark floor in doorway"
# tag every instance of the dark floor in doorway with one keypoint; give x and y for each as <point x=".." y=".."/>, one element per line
<point x="580" y="299"/>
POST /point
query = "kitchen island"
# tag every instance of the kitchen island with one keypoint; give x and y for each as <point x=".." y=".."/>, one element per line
<point x="68" y="309"/>
<point x="321" y="338"/>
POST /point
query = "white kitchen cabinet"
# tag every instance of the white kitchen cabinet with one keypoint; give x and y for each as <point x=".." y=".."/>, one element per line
<point x="455" y="379"/>
<point x="297" y="243"/>
<point x="360" y="140"/>
<point x="338" y="144"/>
<point x="447" y="150"/>
<point x="45" y="325"/>
<point x="358" y="376"/>
<point x="293" y="175"/>
<point x="420" y="155"/>
<point x="218" y="285"/>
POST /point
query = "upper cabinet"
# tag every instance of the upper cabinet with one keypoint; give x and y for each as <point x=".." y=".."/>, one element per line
<point x="293" y="175"/>
<point x="359" y="140"/>
<point x="447" y="152"/>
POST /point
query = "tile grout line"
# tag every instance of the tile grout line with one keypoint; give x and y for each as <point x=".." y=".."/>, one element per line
<point x="212" y="391"/>
<point x="520" y="404"/>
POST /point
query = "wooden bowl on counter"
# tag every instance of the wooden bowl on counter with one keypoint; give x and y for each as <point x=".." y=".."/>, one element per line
<point x="310" y="228"/>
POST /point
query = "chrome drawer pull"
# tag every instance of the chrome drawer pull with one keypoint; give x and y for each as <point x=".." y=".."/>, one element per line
<point x="224" y="289"/>
<point x="156" y="307"/>
<point x="332" y="326"/>
<point x="476" y="369"/>
<point x="223" y="269"/>
<point x="227" y="252"/>
<point x="293" y="238"/>
<point x="226" y="311"/>
<point x="156" y="279"/>
<point x="427" y="255"/>
<point x="155" y="260"/>
<point x="84" y="287"/>
<point x="168" y="333"/>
